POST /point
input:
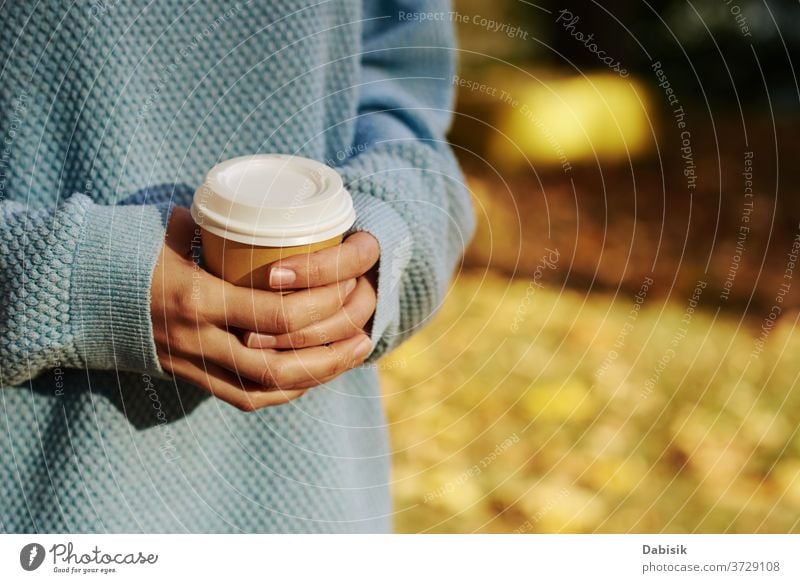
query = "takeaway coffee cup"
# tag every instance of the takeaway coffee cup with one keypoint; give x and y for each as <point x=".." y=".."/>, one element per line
<point x="254" y="210"/>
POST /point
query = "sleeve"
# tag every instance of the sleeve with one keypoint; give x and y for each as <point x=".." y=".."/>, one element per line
<point x="406" y="184"/>
<point x="75" y="286"/>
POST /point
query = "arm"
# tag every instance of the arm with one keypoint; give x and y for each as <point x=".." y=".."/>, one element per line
<point x="74" y="286"/>
<point x="408" y="190"/>
<point x="414" y="215"/>
<point x="96" y="287"/>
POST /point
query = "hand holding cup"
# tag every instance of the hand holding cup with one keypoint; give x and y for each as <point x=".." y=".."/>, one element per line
<point x="198" y="319"/>
<point x="270" y="224"/>
<point x="355" y="261"/>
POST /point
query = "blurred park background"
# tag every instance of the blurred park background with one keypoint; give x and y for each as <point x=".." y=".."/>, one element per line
<point x="619" y="351"/>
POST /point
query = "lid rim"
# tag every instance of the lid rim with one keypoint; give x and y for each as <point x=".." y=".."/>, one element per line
<point x="325" y="213"/>
<point x="204" y="216"/>
<point x="283" y="241"/>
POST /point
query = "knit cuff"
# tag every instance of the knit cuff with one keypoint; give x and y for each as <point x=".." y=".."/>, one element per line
<point x="394" y="237"/>
<point x="110" y="286"/>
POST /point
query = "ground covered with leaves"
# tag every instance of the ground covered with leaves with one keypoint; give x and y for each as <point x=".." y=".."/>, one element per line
<point x="527" y="408"/>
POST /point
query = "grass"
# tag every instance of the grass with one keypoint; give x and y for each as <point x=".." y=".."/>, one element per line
<point x="527" y="409"/>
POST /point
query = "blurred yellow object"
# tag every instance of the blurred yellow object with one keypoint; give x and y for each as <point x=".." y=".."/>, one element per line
<point x="567" y="401"/>
<point x="614" y="475"/>
<point x="787" y="476"/>
<point x="563" y="508"/>
<point x="562" y="121"/>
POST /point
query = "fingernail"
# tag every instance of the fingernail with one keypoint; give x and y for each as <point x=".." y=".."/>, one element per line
<point x="349" y="286"/>
<point x="254" y="340"/>
<point x="362" y="349"/>
<point x="281" y="276"/>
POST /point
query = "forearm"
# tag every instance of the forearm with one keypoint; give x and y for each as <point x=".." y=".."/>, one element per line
<point x="408" y="189"/>
<point x="74" y="284"/>
<point x="415" y="204"/>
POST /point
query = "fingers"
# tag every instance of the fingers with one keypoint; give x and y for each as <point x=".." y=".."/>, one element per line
<point x="347" y="322"/>
<point x="227" y="386"/>
<point x="296" y="367"/>
<point x="353" y="258"/>
<point x="271" y="313"/>
<point x="285" y="376"/>
<point x="270" y="369"/>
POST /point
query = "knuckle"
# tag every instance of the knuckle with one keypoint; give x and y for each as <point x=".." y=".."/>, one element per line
<point x="179" y="343"/>
<point x="314" y="271"/>
<point x="337" y="365"/>
<point x="246" y="405"/>
<point x="184" y="305"/>
<point x="197" y="299"/>
<point x="269" y="378"/>
<point x="351" y="327"/>
<point x="278" y="320"/>
<point x="291" y="318"/>
<point x="334" y="368"/>
<point x="298" y="338"/>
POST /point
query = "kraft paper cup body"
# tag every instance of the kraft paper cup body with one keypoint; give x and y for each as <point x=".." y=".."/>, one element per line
<point x="248" y="265"/>
<point x="255" y="210"/>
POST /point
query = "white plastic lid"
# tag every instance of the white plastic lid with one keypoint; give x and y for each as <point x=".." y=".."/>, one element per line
<point x="273" y="200"/>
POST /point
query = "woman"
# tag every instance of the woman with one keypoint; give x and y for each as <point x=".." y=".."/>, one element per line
<point x="128" y="403"/>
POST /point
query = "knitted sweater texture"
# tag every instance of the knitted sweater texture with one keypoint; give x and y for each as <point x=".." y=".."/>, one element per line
<point x="111" y="112"/>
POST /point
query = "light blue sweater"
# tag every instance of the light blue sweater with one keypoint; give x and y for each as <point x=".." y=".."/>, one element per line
<point x="111" y="112"/>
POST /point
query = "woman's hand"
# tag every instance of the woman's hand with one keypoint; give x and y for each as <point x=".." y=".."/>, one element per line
<point x="193" y="312"/>
<point x="356" y="260"/>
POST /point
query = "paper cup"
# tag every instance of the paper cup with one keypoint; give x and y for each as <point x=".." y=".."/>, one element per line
<point x="255" y="210"/>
